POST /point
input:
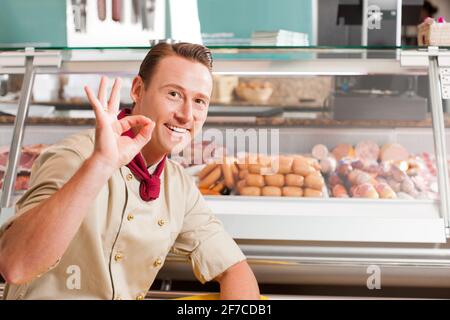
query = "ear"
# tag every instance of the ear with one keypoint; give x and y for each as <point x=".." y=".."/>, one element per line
<point x="137" y="89"/>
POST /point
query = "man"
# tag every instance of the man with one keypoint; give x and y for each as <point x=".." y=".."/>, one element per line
<point x="95" y="224"/>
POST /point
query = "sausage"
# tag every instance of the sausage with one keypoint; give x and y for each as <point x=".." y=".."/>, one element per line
<point x="358" y="177"/>
<point x="339" y="191"/>
<point x="311" y="193"/>
<point x="206" y="170"/>
<point x="365" y="190"/>
<point x="343" y="150"/>
<point x="254" y="180"/>
<point x="292" y="192"/>
<point x="270" y="191"/>
<point x="219" y="187"/>
<point x="320" y="151"/>
<point x="393" y="152"/>
<point x="314" y="181"/>
<point x="250" y="191"/>
<point x="208" y="192"/>
<point x="344" y="169"/>
<point x="211" y="178"/>
<point x="294" y="180"/>
<point x="334" y="180"/>
<point x="385" y="191"/>
<point x="395" y="185"/>
<point x="275" y="180"/>
<point x="228" y="175"/>
<point x="235" y="171"/>
<point x="367" y="151"/>
<point x="327" y="165"/>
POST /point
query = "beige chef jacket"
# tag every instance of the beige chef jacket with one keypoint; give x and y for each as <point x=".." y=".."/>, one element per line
<point x="123" y="240"/>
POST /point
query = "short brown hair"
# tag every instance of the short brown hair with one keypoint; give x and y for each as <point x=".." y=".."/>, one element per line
<point x="190" y="51"/>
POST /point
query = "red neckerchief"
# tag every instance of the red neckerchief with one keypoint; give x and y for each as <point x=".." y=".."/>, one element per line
<point x="150" y="183"/>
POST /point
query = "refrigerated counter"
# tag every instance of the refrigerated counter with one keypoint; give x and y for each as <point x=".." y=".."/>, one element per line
<point x="328" y="240"/>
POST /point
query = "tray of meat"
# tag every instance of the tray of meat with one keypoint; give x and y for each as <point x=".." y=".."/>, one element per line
<point x="262" y="175"/>
<point x="367" y="170"/>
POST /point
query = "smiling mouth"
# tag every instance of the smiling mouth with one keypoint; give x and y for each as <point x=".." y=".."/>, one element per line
<point x="177" y="129"/>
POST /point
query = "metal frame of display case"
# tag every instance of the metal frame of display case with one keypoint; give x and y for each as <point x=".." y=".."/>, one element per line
<point x="420" y="221"/>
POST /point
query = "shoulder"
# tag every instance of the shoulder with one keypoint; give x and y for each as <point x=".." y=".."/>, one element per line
<point x="81" y="143"/>
<point x="72" y="150"/>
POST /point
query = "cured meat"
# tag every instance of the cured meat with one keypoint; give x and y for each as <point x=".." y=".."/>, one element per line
<point x="367" y="151"/>
<point x="393" y="152"/>
<point x="343" y="151"/>
<point x="320" y="151"/>
<point x="28" y="155"/>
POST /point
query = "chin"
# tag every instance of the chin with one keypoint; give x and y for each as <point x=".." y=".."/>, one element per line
<point x="177" y="148"/>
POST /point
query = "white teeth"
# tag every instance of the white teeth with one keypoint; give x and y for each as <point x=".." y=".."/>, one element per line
<point x="177" y="129"/>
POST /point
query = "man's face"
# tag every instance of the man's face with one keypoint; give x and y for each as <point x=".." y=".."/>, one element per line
<point x="176" y="99"/>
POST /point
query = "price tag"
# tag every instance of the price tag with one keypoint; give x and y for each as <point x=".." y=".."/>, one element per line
<point x="445" y="82"/>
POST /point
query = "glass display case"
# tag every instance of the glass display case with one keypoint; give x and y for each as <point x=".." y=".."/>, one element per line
<point x="357" y="134"/>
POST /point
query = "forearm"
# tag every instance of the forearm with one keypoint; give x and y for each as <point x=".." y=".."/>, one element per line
<point x="238" y="283"/>
<point x="40" y="236"/>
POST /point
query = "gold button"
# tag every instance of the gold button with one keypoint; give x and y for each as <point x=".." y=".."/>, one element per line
<point x="161" y="222"/>
<point x="118" y="257"/>
<point x="157" y="263"/>
<point x="140" y="297"/>
<point x="129" y="176"/>
<point x="130" y="217"/>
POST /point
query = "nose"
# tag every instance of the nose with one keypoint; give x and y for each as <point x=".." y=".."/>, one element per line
<point x="185" y="114"/>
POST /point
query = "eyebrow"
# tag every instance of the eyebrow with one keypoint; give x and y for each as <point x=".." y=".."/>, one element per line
<point x="174" y="85"/>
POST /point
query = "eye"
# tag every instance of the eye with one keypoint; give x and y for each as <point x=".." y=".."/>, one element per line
<point x="175" y="94"/>
<point x="200" y="101"/>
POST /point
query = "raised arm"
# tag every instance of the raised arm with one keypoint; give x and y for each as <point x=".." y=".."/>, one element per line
<point x="38" y="238"/>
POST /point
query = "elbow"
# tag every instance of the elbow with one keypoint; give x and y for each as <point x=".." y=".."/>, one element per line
<point x="10" y="272"/>
<point x="12" y="276"/>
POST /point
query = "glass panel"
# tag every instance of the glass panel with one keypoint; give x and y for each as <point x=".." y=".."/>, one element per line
<point x="362" y="136"/>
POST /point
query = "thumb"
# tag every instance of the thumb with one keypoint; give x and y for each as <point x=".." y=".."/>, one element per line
<point x="144" y="135"/>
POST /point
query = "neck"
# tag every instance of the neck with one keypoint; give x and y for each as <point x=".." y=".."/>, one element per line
<point x="151" y="156"/>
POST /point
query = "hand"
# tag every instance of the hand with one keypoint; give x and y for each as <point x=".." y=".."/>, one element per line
<point x="111" y="148"/>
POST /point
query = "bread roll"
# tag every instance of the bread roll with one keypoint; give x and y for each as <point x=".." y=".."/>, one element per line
<point x="254" y="180"/>
<point x="302" y="167"/>
<point x="254" y="168"/>
<point x="294" y="180"/>
<point x="285" y="164"/>
<point x="275" y="180"/>
<point x="250" y="191"/>
<point x="239" y="185"/>
<point x="292" y="192"/>
<point x="243" y="174"/>
<point x="311" y="193"/>
<point x="314" y="181"/>
<point x="270" y="191"/>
